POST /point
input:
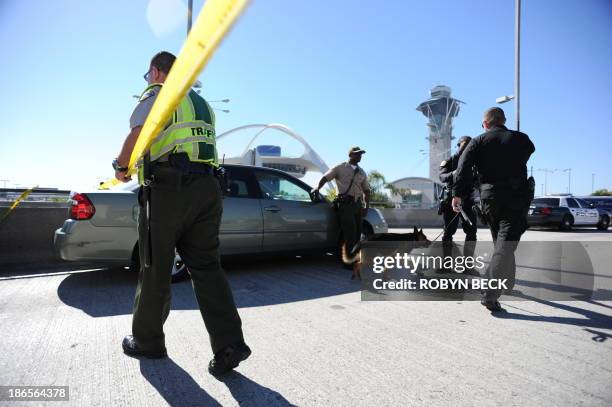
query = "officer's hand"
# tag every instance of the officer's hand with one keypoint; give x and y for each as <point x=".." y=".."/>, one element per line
<point x="122" y="176"/>
<point x="456" y="204"/>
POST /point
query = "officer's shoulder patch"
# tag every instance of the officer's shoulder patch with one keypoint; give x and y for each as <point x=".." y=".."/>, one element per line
<point x="146" y="95"/>
<point x="443" y="163"/>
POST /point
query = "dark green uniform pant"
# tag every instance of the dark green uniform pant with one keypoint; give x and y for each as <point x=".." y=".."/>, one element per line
<point x="507" y="220"/>
<point x="350" y="216"/>
<point x="185" y="213"/>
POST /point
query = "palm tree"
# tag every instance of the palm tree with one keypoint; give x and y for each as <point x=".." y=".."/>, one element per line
<point x="377" y="183"/>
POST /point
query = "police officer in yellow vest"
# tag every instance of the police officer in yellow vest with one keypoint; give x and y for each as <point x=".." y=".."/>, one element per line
<point x="183" y="199"/>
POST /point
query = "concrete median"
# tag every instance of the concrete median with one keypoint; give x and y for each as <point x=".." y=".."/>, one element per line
<point x="406" y="217"/>
<point x="26" y="235"/>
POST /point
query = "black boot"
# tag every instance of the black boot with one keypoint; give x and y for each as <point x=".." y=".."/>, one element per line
<point x="492" y="305"/>
<point x="228" y="358"/>
<point x="131" y="348"/>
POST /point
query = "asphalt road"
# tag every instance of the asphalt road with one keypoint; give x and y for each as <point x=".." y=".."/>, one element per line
<point x="315" y="343"/>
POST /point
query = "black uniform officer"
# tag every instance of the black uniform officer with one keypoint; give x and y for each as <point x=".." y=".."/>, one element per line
<point x="500" y="157"/>
<point x="451" y="219"/>
<point x="180" y="207"/>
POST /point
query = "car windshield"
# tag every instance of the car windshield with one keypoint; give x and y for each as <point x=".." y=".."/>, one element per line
<point x="546" y="202"/>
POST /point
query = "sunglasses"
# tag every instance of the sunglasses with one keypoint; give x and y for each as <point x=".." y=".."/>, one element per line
<point x="147" y="75"/>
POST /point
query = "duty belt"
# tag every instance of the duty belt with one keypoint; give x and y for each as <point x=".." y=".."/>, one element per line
<point x="184" y="166"/>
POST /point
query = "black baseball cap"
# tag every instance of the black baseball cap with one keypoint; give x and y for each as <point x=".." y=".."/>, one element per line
<point x="356" y="150"/>
<point x="467" y="139"/>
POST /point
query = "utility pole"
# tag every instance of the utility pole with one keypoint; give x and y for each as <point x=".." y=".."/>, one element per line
<point x="569" y="179"/>
<point x="517" y="62"/>
<point x="592" y="183"/>
<point x="546" y="171"/>
<point x="189" y="15"/>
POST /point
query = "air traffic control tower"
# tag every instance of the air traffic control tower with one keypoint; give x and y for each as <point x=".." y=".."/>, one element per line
<point x="440" y="109"/>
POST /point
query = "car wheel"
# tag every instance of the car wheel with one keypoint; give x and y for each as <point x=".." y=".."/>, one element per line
<point x="179" y="269"/>
<point x="366" y="231"/>
<point x="566" y="223"/>
<point x="604" y="223"/>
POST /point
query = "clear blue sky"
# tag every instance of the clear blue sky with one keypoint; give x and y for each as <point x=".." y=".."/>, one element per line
<point x="339" y="73"/>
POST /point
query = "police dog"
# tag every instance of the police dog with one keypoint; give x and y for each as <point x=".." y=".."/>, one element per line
<point x="355" y="260"/>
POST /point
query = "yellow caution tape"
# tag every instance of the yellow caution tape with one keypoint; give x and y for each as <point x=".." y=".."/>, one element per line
<point x="213" y="23"/>
<point x="20" y="198"/>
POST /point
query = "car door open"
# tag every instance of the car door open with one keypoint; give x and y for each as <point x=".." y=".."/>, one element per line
<point x="292" y="218"/>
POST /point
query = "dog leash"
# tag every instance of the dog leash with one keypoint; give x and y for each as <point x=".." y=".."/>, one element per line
<point x="444" y="227"/>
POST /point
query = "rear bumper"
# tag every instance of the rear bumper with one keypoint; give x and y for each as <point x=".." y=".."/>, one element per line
<point x="543" y="220"/>
<point x="381" y="227"/>
<point x="82" y="241"/>
<point x="376" y="219"/>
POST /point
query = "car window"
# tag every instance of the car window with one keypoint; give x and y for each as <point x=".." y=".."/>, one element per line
<point x="571" y="202"/>
<point x="600" y="203"/>
<point x="583" y="203"/>
<point x="239" y="184"/>
<point x="275" y="186"/>
<point x="546" y="202"/>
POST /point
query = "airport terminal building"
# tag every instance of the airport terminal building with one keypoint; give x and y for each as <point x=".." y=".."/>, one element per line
<point x="416" y="193"/>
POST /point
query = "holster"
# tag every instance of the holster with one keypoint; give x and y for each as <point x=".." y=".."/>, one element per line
<point x="221" y="176"/>
<point x="146" y="197"/>
<point x="443" y="199"/>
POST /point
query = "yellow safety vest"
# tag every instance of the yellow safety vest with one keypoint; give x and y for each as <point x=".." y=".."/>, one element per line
<point x="191" y="130"/>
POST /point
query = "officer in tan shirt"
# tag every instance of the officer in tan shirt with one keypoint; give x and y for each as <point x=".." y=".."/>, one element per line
<point x="353" y="191"/>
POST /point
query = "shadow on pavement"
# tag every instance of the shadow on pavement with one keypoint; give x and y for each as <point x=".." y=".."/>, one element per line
<point x="248" y="393"/>
<point x="282" y="280"/>
<point x="174" y="384"/>
<point x="178" y="388"/>
<point x="590" y="319"/>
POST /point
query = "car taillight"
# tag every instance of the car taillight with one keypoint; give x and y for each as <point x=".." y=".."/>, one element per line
<point x="81" y="208"/>
<point x="546" y="211"/>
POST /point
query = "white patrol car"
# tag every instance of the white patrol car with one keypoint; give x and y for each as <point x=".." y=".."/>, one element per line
<point x="565" y="211"/>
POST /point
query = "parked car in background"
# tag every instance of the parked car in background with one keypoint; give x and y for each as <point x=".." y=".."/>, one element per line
<point x="603" y="204"/>
<point x="264" y="211"/>
<point x="565" y="212"/>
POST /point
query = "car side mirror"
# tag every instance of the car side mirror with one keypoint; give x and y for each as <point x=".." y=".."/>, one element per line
<point x="591" y="205"/>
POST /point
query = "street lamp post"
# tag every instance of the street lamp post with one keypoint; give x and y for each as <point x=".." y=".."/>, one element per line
<point x="189" y="15"/>
<point x="546" y="171"/>
<point x="517" y="61"/>
<point x="517" y="66"/>
<point x="592" y="183"/>
<point x="569" y="179"/>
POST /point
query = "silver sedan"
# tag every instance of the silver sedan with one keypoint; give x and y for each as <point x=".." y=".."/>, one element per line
<point x="264" y="210"/>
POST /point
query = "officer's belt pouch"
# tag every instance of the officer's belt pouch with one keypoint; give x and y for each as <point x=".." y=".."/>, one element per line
<point x="342" y="199"/>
